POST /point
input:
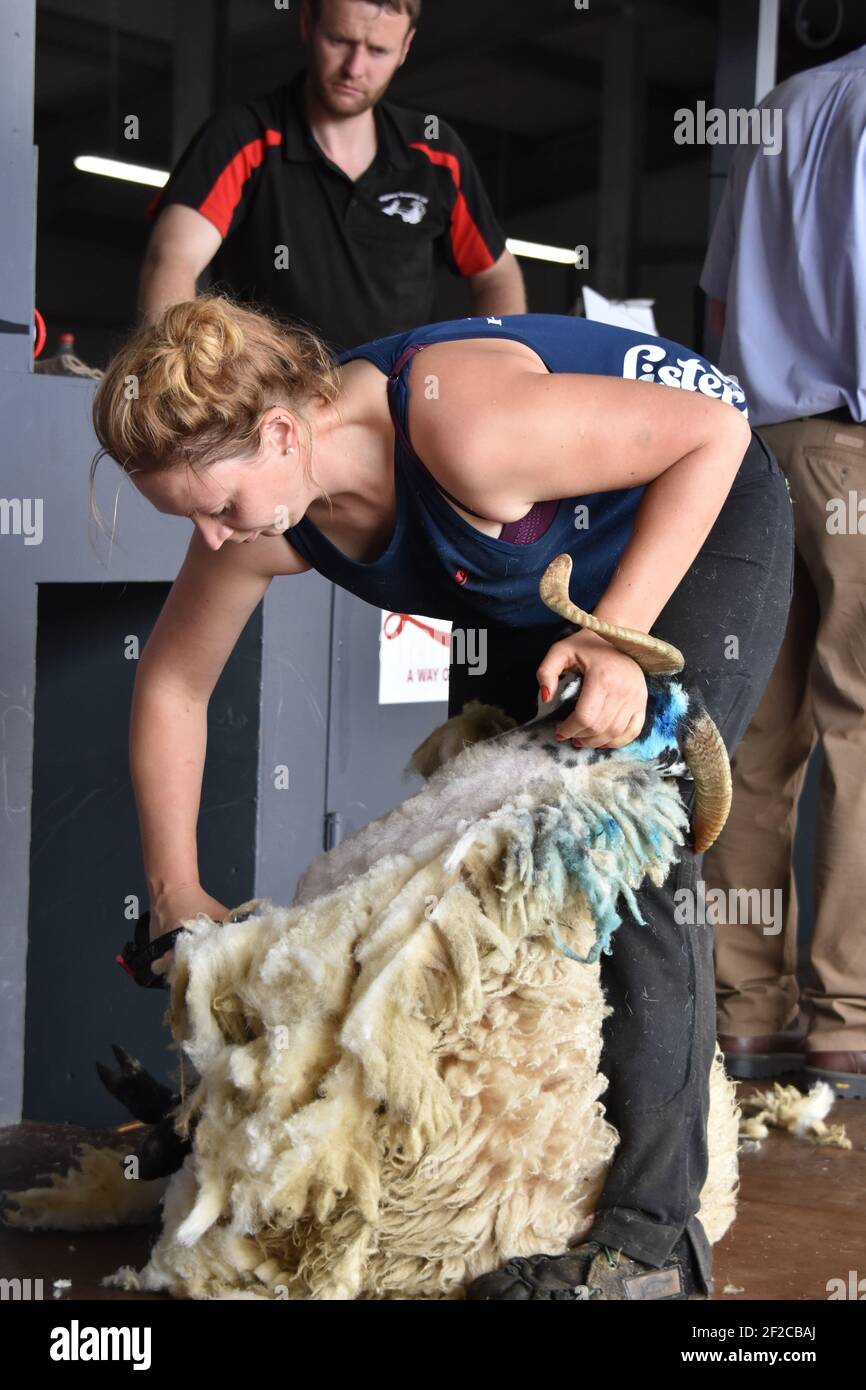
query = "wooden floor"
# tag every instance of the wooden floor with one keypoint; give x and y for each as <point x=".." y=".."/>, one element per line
<point x="801" y="1218"/>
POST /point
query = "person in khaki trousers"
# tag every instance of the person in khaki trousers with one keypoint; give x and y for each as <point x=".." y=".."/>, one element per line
<point x="786" y="276"/>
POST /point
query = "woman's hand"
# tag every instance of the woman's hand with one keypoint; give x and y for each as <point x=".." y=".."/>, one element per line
<point x="611" y="708"/>
<point x="170" y="907"/>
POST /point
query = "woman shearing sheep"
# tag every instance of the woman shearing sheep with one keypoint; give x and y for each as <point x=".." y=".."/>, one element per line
<point x="539" y="434"/>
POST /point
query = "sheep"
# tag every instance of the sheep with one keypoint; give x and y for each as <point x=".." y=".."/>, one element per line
<point x="394" y="1082"/>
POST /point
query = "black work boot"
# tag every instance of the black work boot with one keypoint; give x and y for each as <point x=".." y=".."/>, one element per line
<point x="591" y="1272"/>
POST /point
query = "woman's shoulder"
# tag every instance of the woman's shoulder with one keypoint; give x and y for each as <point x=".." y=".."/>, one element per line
<point x="457" y="357"/>
<point x="454" y="386"/>
<point x="465" y="376"/>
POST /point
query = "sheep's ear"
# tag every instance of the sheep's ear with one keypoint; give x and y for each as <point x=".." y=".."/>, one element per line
<point x="426" y="757"/>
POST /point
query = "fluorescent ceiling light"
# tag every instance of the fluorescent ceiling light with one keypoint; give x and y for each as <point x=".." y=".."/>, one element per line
<point x="562" y="255"/>
<point x="118" y="169"/>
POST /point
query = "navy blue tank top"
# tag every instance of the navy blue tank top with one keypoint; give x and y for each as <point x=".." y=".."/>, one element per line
<point x="437" y="563"/>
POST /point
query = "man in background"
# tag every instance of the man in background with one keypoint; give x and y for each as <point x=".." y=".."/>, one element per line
<point x="786" y="272"/>
<point x="327" y="203"/>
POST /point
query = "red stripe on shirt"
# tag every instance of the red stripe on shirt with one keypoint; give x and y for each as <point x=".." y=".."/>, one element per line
<point x="471" y="251"/>
<point x="219" y="205"/>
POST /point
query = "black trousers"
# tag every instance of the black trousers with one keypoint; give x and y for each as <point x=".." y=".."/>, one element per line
<point x="728" y="617"/>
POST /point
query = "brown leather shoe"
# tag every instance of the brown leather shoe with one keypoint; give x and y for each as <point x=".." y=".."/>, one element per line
<point x="764" y="1054"/>
<point x="844" y="1071"/>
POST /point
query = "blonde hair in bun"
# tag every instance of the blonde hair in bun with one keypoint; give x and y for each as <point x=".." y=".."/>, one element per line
<point x="191" y="388"/>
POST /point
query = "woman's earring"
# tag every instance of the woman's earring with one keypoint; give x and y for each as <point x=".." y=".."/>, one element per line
<point x="290" y="449"/>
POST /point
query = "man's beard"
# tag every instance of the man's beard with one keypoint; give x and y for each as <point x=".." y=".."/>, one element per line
<point x="354" y="107"/>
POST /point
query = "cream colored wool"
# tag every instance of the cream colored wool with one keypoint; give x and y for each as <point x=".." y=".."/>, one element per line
<point x="786" y="1107"/>
<point x="94" y="1195"/>
<point x="397" y="1079"/>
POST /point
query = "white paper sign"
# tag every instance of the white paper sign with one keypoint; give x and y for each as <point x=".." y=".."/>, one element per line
<point x="622" y="313"/>
<point x="414" y="657"/>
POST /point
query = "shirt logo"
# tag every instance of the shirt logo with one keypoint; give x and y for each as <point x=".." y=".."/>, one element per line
<point x="641" y="363"/>
<point x="410" y="206"/>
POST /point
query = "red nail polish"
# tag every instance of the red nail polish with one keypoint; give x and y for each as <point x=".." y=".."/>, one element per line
<point x="577" y="743"/>
<point x="560" y="737"/>
<point x="545" y="694"/>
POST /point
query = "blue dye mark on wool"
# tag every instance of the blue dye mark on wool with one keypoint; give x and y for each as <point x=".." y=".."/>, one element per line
<point x="667" y="704"/>
<point x="599" y="889"/>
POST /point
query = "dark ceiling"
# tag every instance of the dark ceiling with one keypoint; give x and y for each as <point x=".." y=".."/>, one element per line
<point x="520" y="81"/>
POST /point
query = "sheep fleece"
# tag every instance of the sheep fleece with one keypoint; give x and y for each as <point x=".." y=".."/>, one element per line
<point x="396" y="1080"/>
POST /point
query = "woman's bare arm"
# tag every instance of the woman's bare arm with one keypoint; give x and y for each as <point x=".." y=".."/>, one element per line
<point x="205" y="612"/>
<point x="502" y="435"/>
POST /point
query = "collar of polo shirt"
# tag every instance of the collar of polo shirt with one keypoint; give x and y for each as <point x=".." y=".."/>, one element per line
<point x="298" y="142"/>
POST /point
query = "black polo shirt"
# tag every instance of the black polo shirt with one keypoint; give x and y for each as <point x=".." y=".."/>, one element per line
<point x="354" y="259"/>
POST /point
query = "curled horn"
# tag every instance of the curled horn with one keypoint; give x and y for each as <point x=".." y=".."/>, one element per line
<point x="651" y="654"/>
<point x="707" y="760"/>
<point x="703" y="747"/>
